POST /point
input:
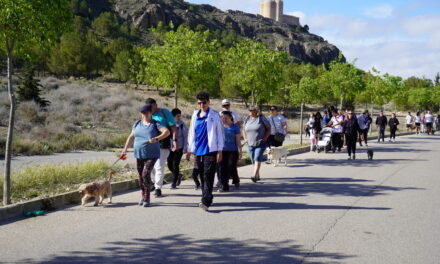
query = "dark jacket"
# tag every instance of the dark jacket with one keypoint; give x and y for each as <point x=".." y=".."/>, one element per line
<point x="382" y="121"/>
<point x="351" y="128"/>
<point x="393" y="123"/>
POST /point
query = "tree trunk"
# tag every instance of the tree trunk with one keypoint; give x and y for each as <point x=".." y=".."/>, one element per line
<point x="301" y="124"/>
<point x="253" y="98"/>
<point x="175" y="96"/>
<point x="342" y="102"/>
<point x="371" y="114"/>
<point x="8" y="153"/>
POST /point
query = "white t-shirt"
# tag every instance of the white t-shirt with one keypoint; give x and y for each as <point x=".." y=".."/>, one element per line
<point x="409" y="119"/>
<point x="429" y="118"/>
<point x="338" y="128"/>
<point x="418" y="119"/>
<point x="311" y="122"/>
<point x="278" y="120"/>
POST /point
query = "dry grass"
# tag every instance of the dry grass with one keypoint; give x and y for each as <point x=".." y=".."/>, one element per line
<point x="43" y="181"/>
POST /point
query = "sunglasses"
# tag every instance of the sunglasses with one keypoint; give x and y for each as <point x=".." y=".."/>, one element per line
<point x="202" y="103"/>
<point x="273" y="109"/>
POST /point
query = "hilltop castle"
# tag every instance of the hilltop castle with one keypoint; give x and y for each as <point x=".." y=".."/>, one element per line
<point x="274" y="9"/>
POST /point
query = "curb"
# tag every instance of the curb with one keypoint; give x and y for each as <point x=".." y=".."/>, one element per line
<point x="71" y="198"/>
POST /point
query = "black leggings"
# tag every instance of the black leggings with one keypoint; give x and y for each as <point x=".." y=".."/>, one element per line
<point x="173" y="163"/>
<point x="337" y="141"/>
<point x="228" y="168"/>
<point x="364" y="133"/>
<point x="393" y="133"/>
<point x="144" y="168"/>
<point x="351" y="144"/>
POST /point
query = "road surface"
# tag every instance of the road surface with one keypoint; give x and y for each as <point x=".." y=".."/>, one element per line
<point x="321" y="208"/>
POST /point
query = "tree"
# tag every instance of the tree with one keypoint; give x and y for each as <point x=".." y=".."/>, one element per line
<point x="254" y="69"/>
<point x="106" y="25"/>
<point x="121" y="67"/>
<point x="345" y="80"/>
<point x="26" y="23"/>
<point x="186" y="62"/>
<point x="304" y="92"/>
<point x="30" y="89"/>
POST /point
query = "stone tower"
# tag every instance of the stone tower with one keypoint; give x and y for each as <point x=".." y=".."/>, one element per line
<point x="273" y="9"/>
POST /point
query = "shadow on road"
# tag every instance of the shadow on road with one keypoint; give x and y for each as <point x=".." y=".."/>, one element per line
<point x="350" y="163"/>
<point x="303" y="186"/>
<point x="181" y="249"/>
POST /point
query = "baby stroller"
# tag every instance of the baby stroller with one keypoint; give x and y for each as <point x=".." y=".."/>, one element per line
<point x="325" y="140"/>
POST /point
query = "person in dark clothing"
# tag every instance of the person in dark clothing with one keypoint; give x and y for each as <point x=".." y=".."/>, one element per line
<point x="364" y="122"/>
<point x="351" y="131"/>
<point x="393" y="123"/>
<point x="381" y="123"/>
<point x="317" y="126"/>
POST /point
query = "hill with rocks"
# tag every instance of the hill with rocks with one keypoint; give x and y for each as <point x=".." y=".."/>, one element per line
<point x="295" y="40"/>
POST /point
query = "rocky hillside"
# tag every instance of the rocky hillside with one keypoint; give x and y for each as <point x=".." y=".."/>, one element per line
<point x="301" y="45"/>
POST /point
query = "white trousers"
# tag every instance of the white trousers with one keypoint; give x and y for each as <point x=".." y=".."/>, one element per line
<point x="158" y="172"/>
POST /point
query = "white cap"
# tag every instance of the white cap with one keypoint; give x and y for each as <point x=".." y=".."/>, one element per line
<point x="226" y="102"/>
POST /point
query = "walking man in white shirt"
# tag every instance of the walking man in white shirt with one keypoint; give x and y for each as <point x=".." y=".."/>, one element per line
<point x="409" y="122"/>
<point x="429" y="119"/>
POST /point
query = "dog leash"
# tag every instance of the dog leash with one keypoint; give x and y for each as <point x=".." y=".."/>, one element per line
<point x="122" y="157"/>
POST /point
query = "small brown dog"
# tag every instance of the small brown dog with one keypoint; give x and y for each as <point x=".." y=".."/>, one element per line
<point x="97" y="190"/>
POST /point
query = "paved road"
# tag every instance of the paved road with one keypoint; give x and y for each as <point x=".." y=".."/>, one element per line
<point x="320" y="209"/>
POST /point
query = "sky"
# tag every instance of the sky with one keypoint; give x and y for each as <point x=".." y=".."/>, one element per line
<point x="398" y="37"/>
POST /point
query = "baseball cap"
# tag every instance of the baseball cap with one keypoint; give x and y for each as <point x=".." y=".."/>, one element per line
<point x="145" y="108"/>
<point x="226" y="102"/>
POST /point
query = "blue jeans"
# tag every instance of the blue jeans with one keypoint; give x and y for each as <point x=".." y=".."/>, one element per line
<point x="256" y="153"/>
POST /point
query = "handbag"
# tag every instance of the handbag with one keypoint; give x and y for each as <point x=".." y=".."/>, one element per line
<point x="278" y="137"/>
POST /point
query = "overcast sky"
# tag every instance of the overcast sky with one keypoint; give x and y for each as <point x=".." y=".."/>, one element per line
<point x="398" y="37"/>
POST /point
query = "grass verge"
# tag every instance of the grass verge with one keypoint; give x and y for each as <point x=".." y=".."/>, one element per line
<point x="47" y="180"/>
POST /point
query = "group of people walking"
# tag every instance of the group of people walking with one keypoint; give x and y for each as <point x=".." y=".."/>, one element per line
<point x="213" y="139"/>
<point x="422" y="122"/>
<point x="348" y="129"/>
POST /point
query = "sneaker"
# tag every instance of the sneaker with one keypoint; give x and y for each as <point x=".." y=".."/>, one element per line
<point x="237" y="185"/>
<point x="354" y="156"/>
<point x="173" y="186"/>
<point x="254" y="179"/>
<point x="222" y="191"/>
<point x="141" y="202"/>
<point x="158" y="193"/>
<point x="152" y="188"/>
<point x="258" y="178"/>
<point x="349" y="158"/>
<point x="203" y="207"/>
<point x="179" y="179"/>
<point x="197" y="187"/>
<point x="146" y="203"/>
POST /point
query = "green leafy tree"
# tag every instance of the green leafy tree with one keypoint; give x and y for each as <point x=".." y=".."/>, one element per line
<point x="26" y="23"/>
<point x="254" y="69"/>
<point x="345" y="80"/>
<point x="121" y="68"/>
<point x="186" y="62"/>
<point x="106" y="25"/>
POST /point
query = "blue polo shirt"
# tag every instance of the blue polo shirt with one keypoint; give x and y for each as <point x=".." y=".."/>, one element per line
<point x="201" y="141"/>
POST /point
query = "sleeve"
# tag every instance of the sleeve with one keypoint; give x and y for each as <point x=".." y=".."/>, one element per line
<point x="185" y="136"/>
<point x="237" y="130"/>
<point x="220" y="134"/>
<point x="282" y="118"/>
<point x="191" y="135"/>
<point x="265" y="121"/>
<point x="170" y="118"/>
<point x="159" y="126"/>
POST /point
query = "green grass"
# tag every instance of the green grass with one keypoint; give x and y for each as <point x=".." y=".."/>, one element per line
<point x="46" y="180"/>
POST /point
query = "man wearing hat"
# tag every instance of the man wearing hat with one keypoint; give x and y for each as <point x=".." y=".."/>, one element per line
<point x="226" y="106"/>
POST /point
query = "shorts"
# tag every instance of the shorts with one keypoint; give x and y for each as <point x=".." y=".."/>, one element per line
<point x="256" y="153"/>
<point x="429" y="125"/>
<point x="417" y="124"/>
